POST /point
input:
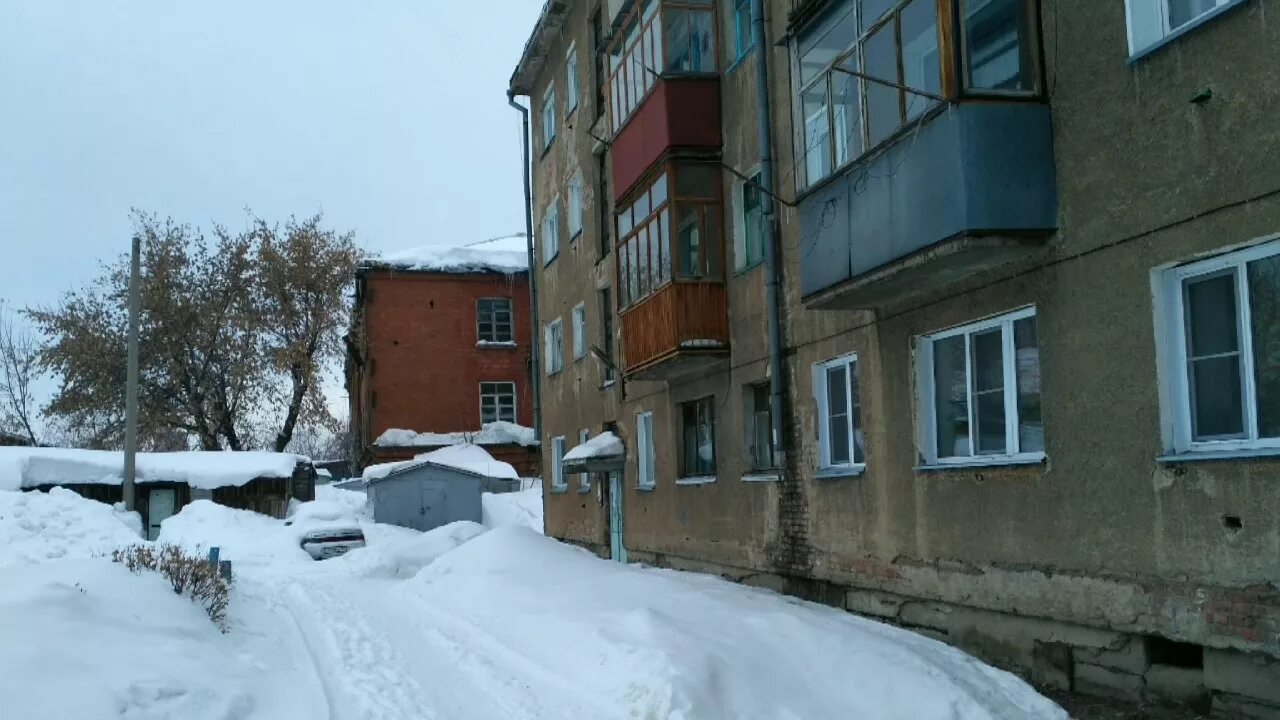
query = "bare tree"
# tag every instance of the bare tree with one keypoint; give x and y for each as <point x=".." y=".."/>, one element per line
<point x="19" y="370"/>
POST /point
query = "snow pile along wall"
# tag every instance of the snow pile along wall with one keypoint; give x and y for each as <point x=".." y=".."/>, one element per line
<point x="643" y="642"/>
<point x="523" y="508"/>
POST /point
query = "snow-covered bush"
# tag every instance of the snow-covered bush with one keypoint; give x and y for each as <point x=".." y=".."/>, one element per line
<point x="190" y="575"/>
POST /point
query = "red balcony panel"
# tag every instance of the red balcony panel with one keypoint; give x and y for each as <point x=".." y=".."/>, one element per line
<point x="679" y="112"/>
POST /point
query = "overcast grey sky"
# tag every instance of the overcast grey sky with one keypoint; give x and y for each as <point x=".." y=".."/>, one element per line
<point x="388" y="115"/>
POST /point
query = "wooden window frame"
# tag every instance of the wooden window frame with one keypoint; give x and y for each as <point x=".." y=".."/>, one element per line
<point x="951" y="60"/>
<point x="481" y="304"/>
<point x="632" y="69"/>
<point x="497" y="395"/>
<point x="711" y="210"/>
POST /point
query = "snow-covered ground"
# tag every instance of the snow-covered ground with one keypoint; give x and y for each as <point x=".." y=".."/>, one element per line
<point x="465" y="622"/>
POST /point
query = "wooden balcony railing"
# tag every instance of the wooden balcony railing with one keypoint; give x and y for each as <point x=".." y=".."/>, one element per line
<point x="683" y="318"/>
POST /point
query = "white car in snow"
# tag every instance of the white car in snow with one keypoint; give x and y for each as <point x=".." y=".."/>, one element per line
<point x="325" y="543"/>
<point x="327" y="530"/>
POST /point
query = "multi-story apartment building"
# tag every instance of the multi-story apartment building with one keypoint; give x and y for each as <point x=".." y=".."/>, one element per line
<point x="440" y="346"/>
<point x="1029" y="265"/>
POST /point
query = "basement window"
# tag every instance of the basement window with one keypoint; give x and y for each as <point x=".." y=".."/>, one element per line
<point x="1161" y="651"/>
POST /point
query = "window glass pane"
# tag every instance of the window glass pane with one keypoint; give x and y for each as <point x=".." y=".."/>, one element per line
<point x="641" y="209"/>
<point x="655" y="256"/>
<point x="1211" y="315"/>
<point x="880" y="58"/>
<point x="689" y="41"/>
<point x="1182" y="12"/>
<point x="1216" y="408"/>
<point x="826" y="40"/>
<point x="817" y="161"/>
<point x="689" y="237"/>
<point x="873" y="10"/>
<point x="752" y="243"/>
<point x="846" y="115"/>
<point x="837" y="416"/>
<point x="920" y="59"/>
<point x="1027" y="367"/>
<point x="664" y="226"/>
<point x="987" y="366"/>
<point x="999" y="48"/>
<point x="624" y="287"/>
<point x="658" y="191"/>
<point x="642" y="249"/>
<point x="633" y="270"/>
<point x="951" y="397"/>
<point x="1264" y="309"/>
<point x="712" y="248"/>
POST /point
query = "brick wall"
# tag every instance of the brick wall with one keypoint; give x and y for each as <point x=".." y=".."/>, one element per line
<point x="423" y="369"/>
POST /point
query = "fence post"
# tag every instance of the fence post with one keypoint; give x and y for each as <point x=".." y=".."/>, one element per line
<point x="213" y="556"/>
<point x="224" y="569"/>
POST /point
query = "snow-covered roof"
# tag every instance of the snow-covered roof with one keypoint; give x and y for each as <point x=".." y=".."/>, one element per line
<point x="507" y="255"/>
<point x="604" y="445"/>
<point x="28" y="467"/>
<point x="468" y="458"/>
<point x="494" y="433"/>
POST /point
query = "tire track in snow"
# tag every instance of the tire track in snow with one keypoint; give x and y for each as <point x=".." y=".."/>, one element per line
<point x="483" y="655"/>
<point x="364" y="678"/>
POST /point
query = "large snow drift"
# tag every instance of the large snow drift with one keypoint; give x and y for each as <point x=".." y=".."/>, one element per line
<point x="27" y="467"/>
<point x="36" y="527"/>
<point x="665" y="644"/>
<point x="523" y="508"/>
<point x="494" y="433"/>
<point x="87" y="639"/>
<point x="507" y="255"/>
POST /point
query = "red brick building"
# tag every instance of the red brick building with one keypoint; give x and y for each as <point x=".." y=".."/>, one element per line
<point x="440" y="343"/>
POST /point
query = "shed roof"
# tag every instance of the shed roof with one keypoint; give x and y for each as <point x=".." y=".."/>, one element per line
<point x="467" y="459"/>
<point x="31" y="467"/>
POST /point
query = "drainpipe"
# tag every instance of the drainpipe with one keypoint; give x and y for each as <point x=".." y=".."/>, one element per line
<point x="773" y="281"/>
<point x="525" y="170"/>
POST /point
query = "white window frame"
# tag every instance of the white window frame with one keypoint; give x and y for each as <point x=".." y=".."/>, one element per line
<point x="584" y="478"/>
<point x="553" y="342"/>
<point x="928" y="429"/>
<point x="579" y="331"/>
<point x="574" y="202"/>
<point x="571" y="79"/>
<point x="646" y="457"/>
<point x="850" y="362"/>
<point x="515" y="399"/>
<point x="551" y="232"/>
<point x="549" y="118"/>
<point x="558" y="481"/>
<point x="1172" y="332"/>
<point x="1148" y="22"/>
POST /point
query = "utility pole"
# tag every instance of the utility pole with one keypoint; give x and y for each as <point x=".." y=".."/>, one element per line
<point x="131" y="382"/>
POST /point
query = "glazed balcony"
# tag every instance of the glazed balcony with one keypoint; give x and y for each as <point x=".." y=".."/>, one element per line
<point x="664" y="90"/>
<point x="926" y="146"/>
<point x="670" y="270"/>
